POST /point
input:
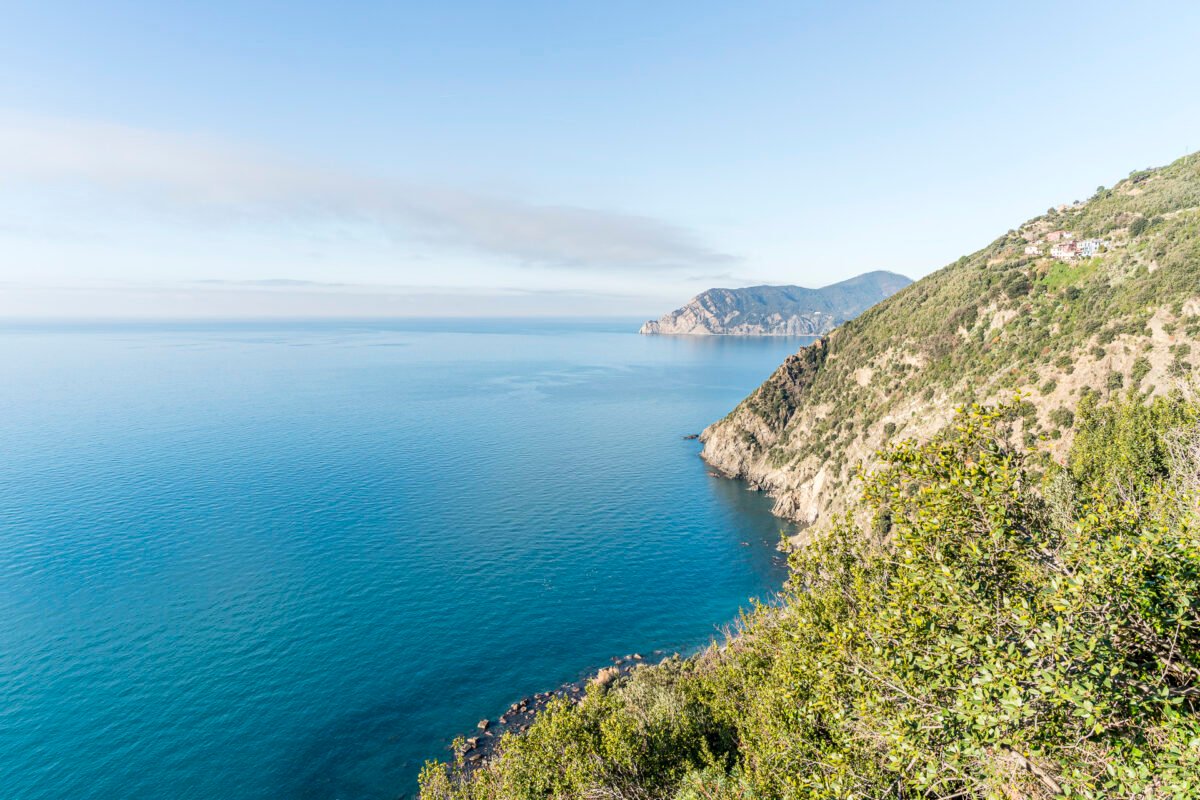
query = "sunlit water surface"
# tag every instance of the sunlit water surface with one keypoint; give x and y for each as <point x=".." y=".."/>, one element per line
<point x="284" y="560"/>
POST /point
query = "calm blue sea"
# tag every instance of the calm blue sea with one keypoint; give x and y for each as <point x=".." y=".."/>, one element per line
<point x="293" y="560"/>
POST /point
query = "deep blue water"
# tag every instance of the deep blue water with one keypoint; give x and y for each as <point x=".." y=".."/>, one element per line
<point x="285" y="560"/>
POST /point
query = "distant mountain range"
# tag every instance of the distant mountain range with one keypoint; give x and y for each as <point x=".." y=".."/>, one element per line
<point x="778" y="310"/>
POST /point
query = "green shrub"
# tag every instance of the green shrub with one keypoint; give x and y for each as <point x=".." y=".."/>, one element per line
<point x="1062" y="417"/>
<point x="1141" y="368"/>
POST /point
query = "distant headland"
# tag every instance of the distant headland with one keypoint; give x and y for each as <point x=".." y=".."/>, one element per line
<point x="778" y="310"/>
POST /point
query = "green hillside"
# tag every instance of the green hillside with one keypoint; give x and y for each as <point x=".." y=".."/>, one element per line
<point x="999" y="600"/>
<point x="997" y="321"/>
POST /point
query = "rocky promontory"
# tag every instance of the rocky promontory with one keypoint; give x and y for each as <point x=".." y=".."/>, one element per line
<point x="778" y="310"/>
<point x="474" y="751"/>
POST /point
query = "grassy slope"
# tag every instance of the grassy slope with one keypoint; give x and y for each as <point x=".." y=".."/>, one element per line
<point x="990" y="324"/>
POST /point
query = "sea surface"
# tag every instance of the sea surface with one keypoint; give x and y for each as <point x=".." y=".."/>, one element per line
<point x="242" y="561"/>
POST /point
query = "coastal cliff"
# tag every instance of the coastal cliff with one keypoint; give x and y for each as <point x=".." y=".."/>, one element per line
<point x="1010" y="606"/>
<point x="1097" y="296"/>
<point x="777" y="310"/>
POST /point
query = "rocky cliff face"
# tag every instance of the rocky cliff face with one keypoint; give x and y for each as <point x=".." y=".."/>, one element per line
<point x="778" y="310"/>
<point x="1008" y="319"/>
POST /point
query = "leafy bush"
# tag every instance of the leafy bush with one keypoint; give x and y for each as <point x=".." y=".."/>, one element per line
<point x="1062" y="417"/>
<point x="1017" y="286"/>
<point x="1141" y="368"/>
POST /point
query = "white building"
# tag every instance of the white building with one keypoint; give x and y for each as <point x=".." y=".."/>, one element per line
<point x="1032" y="250"/>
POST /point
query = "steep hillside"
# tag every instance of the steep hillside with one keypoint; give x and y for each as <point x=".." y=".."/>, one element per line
<point x="1003" y="614"/>
<point x="1099" y="295"/>
<point x="778" y="310"/>
<point x="987" y="635"/>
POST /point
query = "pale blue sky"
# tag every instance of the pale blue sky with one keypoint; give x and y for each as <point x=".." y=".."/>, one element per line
<point x="550" y="158"/>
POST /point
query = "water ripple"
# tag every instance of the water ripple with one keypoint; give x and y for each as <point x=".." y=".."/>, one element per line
<point x="292" y="561"/>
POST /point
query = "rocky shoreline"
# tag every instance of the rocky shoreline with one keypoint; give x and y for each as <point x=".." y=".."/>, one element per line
<point x="476" y="750"/>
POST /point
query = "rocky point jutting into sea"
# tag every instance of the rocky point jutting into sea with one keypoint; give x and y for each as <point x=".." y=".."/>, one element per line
<point x="778" y="310"/>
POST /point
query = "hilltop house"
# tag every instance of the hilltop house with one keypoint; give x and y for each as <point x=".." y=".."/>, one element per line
<point x="1032" y="250"/>
<point x="1065" y="251"/>
<point x="1071" y="250"/>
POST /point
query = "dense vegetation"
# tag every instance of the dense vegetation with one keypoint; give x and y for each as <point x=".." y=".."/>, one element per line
<point x="992" y="633"/>
<point x="995" y="321"/>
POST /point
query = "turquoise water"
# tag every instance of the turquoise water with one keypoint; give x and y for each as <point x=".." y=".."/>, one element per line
<point x="283" y="560"/>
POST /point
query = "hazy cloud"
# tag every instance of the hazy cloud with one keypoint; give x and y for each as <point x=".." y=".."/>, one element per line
<point x="203" y="181"/>
<point x="285" y="298"/>
<point x="728" y="279"/>
<point x="286" y="284"/>
<point x="272" y="283"/>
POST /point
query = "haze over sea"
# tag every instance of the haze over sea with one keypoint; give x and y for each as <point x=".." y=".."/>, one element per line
<point x="242" y="561"/>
